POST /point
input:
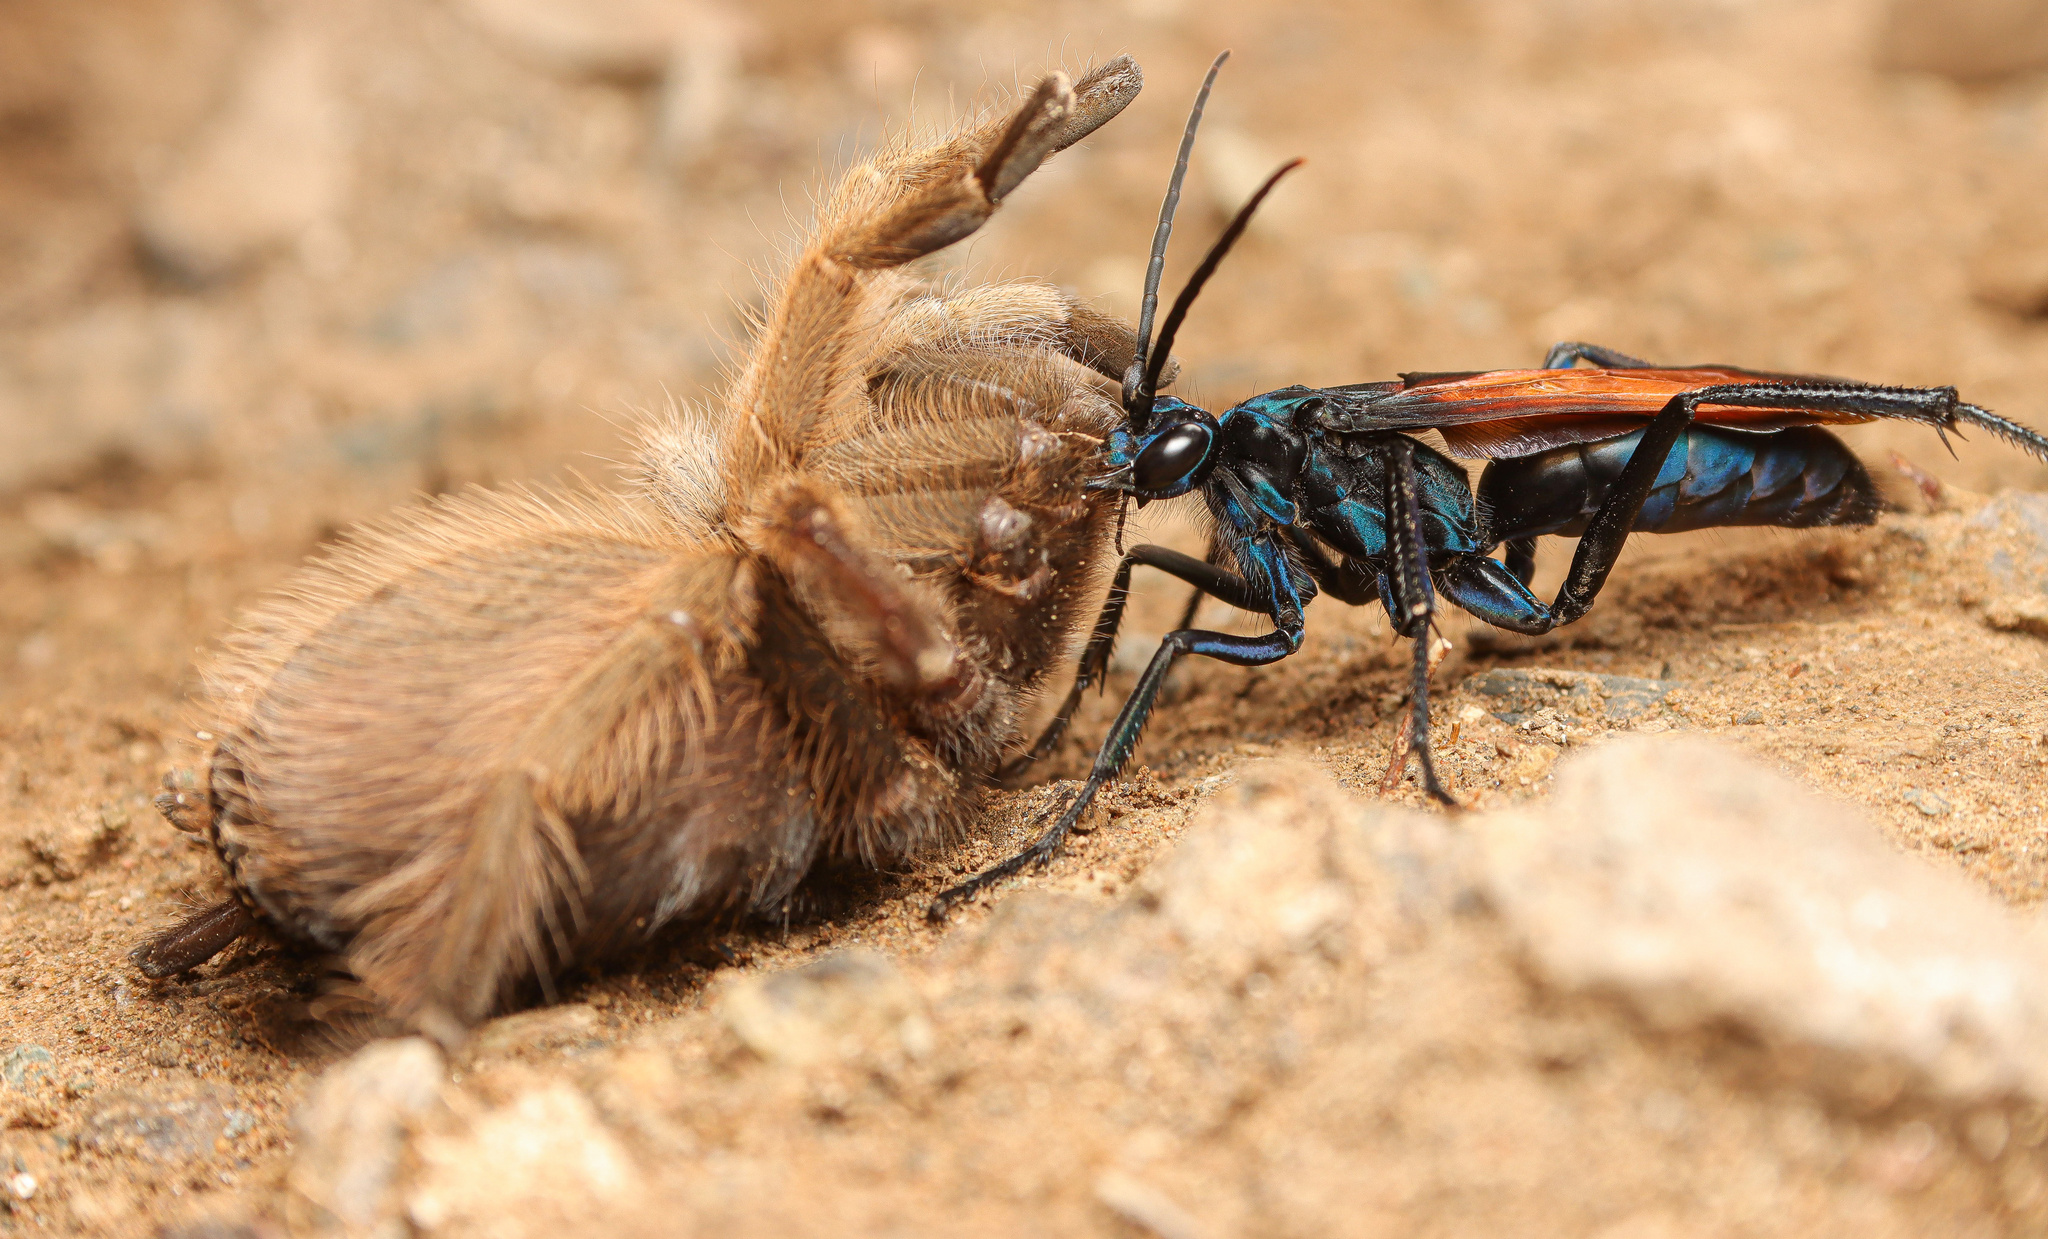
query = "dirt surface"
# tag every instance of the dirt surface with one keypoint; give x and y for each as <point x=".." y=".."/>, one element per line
<point x="489" y="233"/>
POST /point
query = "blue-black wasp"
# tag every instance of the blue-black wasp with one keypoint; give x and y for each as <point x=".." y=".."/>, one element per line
<point x="1324" y="490"/>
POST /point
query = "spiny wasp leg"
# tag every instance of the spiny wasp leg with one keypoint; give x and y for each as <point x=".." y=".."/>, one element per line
<point x="1521" y="559"/>
<point x="1565" y="355"/>
<point x="1206" y="577"/>
<point x="1414" y="602"/>
<point x="1123" y="736"/>
<point x="1600" y="546"/>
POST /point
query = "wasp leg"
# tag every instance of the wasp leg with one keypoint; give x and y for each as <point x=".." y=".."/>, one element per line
<point x="1521" y="559"/>
<point x="1207" y="578"/>
<point x="1342" y="579"/>
<point x="1412" y="599"/>
<point x="1568" y="353"/>
<point x="1564" y="355"/>
<point x="1601" y="544"/>
<point x="1213" y="556"/>
<point x="1397" y="760"/>
<point x="1123" y="738"/>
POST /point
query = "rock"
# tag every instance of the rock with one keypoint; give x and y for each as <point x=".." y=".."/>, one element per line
<point x="1969" y="40"/>
<point x="546" y="1028"/>
<point x="352" y="1129"/>
<point x="28" y="1066"/>
<point x="1515" y="694"/>
<point x="593" y="38"/>
<point x="161" y="1122"/>
<point x="1933" y="804"/>
<point x="269" y="169"/>
<point x="1146" y="1207"/>
<point x="540" y="1165"/>
<point x="1706" y="891"/>
<point x="2022" y="614"/>
<point x="1256" y="880"/>
<point x="845" y="1006"/>
<point x="700" y="86"/>
<point x="2017" y="522"/>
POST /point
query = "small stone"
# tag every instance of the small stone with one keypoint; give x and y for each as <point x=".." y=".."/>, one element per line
<point x="846" y="1005"/>
<point x="1146" y="1207"/>
<point x="352" y="1129"/>
<point x="1707" y="890"/>
<point x="1968" y="40"/>
<point x="27" y="1066"/>
<point x="1933" y="804"/>
<point x="272" y="167"/>
<point x="541" y="1164"/>
<point x="1518" y="692"/>
<point x="1253" y="883"/>
<point x="548" y="1027"/>
<point x="1629" y="696"/>
<point x="22" y="1186"/>
<point x="162" y="1122"/>
<point x="633" y="39"/>
<point x="2026" y="613"/>
<point x="2014" y="527"/>
<point x="1749" y="718"/>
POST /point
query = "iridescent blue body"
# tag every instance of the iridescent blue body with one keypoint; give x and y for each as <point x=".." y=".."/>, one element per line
<point x="1302" y="508"/>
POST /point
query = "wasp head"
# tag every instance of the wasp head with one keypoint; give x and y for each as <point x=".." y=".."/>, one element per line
<point x="1171" y="456"/>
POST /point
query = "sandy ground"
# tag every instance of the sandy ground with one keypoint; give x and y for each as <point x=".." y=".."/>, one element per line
<point x="499" y="237"/>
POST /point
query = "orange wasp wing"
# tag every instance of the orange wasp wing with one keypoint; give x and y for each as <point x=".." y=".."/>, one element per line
<point x="1498" y="413"/>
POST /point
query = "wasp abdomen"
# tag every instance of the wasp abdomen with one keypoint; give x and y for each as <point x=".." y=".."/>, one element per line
<point x="1798" y="478"/>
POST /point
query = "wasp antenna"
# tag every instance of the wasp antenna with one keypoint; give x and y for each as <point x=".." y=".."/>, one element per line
<point x="1134" y="377"/>
<point x="1210" y="261"/>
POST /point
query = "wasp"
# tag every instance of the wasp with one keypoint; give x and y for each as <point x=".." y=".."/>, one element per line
<point x="485" y="740"/>
<point x="1328" y="491"/>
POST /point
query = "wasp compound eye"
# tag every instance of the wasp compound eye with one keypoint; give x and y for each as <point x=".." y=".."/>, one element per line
<point x="1170" y="458"/>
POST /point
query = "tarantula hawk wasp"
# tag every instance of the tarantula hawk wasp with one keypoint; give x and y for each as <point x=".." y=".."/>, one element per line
<point x="1323" y="490"/>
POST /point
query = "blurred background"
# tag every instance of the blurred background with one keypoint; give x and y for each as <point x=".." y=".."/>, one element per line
<point x="269" y="266"/>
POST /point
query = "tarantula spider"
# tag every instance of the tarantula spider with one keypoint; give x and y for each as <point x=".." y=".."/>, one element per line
<point x="504" y="733"/>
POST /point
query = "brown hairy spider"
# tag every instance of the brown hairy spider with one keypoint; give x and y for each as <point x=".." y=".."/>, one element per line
<point x="500" y="734"/>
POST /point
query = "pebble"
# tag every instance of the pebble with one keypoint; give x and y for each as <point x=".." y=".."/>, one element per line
<point x="549" y="1027"/>
<point x="1968" y="40"/>
<point x="1516" y="693"/>
<point x="846" y="1005"/>
<point x="27" y="1065"/>
<point x="2027" y="614"/>
<point x="272" y="167"/>
<point x="23" y="1186"/>
<point x="351" y="1130"/>
<point x="2018" y="524"/>
<point x="540" y="1165"/>
<point x="1708" y="890"/>
<point x="164" y="1122"/>
<point x="633" y="39"/>
<point x="1933" y="804"/>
